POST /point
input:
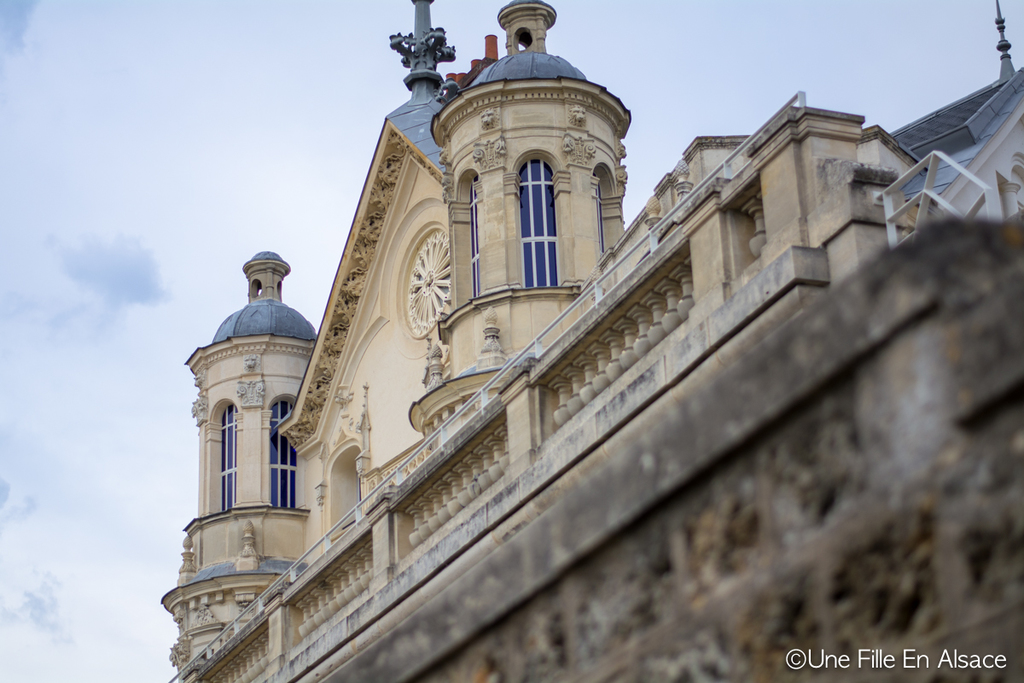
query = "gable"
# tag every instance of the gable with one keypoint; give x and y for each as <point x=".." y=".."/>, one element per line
<point x="376" y="208"/>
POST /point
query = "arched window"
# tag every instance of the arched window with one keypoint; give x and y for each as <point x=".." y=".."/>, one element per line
<point x="537" y="225"/>
<point x="228" y="458"/>
<point x="474" y="235"/>
<point x="282" y="460"/>
<point x="600" y="219"/>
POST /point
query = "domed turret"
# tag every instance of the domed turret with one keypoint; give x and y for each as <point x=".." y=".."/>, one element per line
<point x="265" y="313"/>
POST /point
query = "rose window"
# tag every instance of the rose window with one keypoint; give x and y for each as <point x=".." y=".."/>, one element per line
<point x="430" y="282"/>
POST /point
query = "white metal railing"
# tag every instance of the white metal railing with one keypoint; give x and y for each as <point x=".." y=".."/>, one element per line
<point x="549" y="337"/>
<point x="927" y="198"/>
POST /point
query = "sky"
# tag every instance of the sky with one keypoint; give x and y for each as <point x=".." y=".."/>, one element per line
<point x="148" y="148"/>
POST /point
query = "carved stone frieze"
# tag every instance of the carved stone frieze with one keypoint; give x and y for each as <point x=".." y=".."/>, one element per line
<point x="203" y="617"/>
<point x="488" y="155"/>
<point x="252" y="393"/>
<point x="578" y="150"/>
<point x="489" y="119"/>
<point x="201" y="410"/>
<point x="577" y="116"/>
<point x="359" y="258"/>
<point x="252" y="362"/>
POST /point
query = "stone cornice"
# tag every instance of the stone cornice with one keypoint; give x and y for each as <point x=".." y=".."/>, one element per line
<point x="360" y="252"/>
<point x="204" y="358"/>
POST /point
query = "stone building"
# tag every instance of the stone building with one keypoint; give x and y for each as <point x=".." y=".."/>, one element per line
<point x="394" y="497"/>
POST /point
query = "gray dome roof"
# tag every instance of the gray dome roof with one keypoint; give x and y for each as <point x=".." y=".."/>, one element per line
<point x="526" y="65"/>
<point x="265" y="316"/>
<point x="525" y="2"/>
<point x="267" y="256"/>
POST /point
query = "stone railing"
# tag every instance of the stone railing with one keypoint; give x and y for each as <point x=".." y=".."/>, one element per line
<point x="468" y="475"/>
<point x="346" y="578"/>
<point x="248" y="664"/>
<point x="631" y="332"/>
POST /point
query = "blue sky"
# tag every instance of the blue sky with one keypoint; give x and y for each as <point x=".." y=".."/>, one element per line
<point x="148" y="148"/>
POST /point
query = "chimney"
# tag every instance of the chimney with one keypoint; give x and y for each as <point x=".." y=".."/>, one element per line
<point x="491" y="47"/>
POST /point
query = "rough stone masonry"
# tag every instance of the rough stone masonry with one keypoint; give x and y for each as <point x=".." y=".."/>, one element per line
<point x="852" y="490"/>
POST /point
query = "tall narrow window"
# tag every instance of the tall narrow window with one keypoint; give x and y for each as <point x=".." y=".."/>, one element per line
<point x="600" y="219"/>
<point x="474" y="236"/>
<point x="537" y="225"/>
<point x="228" y="459"/>
<point x="282" y="460"/>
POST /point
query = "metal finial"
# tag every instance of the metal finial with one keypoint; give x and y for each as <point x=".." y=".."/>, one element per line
<point x="1006" y="69"/>
<point x="421" y="52"/>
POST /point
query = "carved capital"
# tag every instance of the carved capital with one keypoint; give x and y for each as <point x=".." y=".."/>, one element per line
<point x="491" y="154"/>
<point x="201" y="410"/>
<point x="579" y="151"/>
<point x="252" y="393"/>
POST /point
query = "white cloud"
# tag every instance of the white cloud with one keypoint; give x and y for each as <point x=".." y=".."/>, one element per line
<point x="121" y="271"/>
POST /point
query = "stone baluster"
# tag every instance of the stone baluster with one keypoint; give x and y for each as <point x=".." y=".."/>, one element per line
<point x="318" y="614"/>
<point x="576" y="376"/>
<point x="465" y="473"/>
<point x="453" y="481"/>
<point x="755" y="210"/>
<point x="433" y="515"/>
<point x="351" y="583"/>
<point x="641" y="315"/>
<point x="486" y="460"/>
<point x="672" y="291"/>
<point x="364" y="580"/>
<point x="588" y="365"/>
<point x="628" y="329"/>
<point x="476" y="464"/>
<point x="684" y="276"/>
<point x="446" y="495"/>
<point x="613" y="340"/>
<point x="497" y="447"/>
<point x="602" y="356"/>
<point x="563" y="387"/>
<point x="304" y="625"/>
<point x="416" y="510"/>
<point x="656" y="303"/>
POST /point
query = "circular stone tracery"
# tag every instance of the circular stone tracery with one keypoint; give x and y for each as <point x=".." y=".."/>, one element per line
<point x="430" y="282"/>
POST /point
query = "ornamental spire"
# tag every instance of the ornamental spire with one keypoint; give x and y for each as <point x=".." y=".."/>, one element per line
<point x="1006" y="69"/>
<point x="421" y="52"/>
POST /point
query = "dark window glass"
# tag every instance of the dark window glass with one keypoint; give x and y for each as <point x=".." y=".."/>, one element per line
<point x="228" y="458"/>
<point x="282" y="460"/>
<point x="537" y="225"/>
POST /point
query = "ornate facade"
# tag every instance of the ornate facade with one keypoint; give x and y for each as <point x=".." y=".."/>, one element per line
<point x="496" y="330"/>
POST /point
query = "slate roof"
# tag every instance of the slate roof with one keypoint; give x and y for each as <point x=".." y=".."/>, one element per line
<point x="961" y="129"/>
<point x="414" y="122"/>
<point x="228" y="568"/>
<point x="527" y="65"/>
<point x="265" y="316"/>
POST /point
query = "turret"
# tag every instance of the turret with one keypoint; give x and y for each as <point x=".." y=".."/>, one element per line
<point x="252" y="509"/>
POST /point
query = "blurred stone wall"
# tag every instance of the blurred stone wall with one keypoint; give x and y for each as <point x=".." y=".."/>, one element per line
<point x="856" y="482"/>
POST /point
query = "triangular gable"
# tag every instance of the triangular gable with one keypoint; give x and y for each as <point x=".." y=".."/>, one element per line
<point x="357" y="258"/>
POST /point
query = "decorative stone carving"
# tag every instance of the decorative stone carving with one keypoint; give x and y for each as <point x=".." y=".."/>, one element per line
<point x="244" y="599"/>
<point x="181" y="652"/>
<point x="578" y="150"/>
<point x="448" y="188"/>
<point x="179" y="617"/>
<point x="489" y="119"/>
<point x="430" y="282"/>
<point x="444" y="158"/>
<point x="201" y="410"/>
<point x="622" y="177"/>
<point x="203" y="617"/>
<point x="435" y="368"/>
<point x="681" y="179"/>
<point x="343" y="398"/>
<point x="488" y="155"/>
<point x="321" y="493"/>
<point x="248" y="560"/>
<point x="620" y="150"/>
<point x="252" y="363"/>
<point x="653" y="211"/>
<point x="252" y="393"/>
<point x="357" y="262"/>
<point x="491" y="354"/>
<point x="200" y="380"/>
<point x="577" y="116"/>
<point x="188" y="564"/>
